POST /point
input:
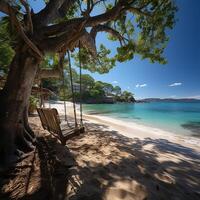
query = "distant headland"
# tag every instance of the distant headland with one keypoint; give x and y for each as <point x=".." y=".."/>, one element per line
<point x="148" y="100"/>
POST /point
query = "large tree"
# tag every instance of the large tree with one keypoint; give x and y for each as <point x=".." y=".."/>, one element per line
<point x="140" y="26"/>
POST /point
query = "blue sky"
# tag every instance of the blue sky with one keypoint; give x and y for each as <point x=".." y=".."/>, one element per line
<point x="179" y="78"/>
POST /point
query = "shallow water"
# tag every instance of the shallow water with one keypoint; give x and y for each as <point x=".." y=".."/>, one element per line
<point x="177" y="117"/>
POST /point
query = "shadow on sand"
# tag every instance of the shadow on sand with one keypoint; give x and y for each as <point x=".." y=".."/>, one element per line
<point x="140" y="175"/>
<point x="41" y="175"/>
<point x="109" y="166"/>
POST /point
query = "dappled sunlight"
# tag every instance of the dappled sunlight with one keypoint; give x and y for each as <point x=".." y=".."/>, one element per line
<point x="119" y="167"/>
<point x="126" y="189"/>
<point x="106" y="165"/>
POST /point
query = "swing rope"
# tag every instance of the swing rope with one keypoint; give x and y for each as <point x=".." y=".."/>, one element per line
<point x="72" y="89"/>
<point x="80" y="75"/>
<point x="61" y="64"/>
<point x="41" y="97"/>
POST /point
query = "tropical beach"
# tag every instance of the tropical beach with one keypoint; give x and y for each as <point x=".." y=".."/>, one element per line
<point x="130" y="128"/>
<point x="99" y="100"/>
<point x="113" y="159"/>
<point x="118" y="160"/>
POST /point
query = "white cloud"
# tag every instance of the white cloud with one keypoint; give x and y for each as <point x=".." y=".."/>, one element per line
<point x="143" y="85"/>
<point x="115" y="82"/>
<point x="140" y="85"/>
<point x="175" y="84"/>
<point x="128" y="87"/>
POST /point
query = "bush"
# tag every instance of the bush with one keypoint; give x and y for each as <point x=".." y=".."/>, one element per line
<point x="33" y="102"/>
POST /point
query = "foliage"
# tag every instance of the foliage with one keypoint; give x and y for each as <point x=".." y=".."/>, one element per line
<point x="33" y="102"/>
<point x="6" y="51"/>
<point x="87" y="81"/>
<point x="50" y="61"/>
<point x="126" y="97"/>
<point x="91" y="90"/>
<point x="52" y="84"/>
<point x="141" y="28"/>
<point x="142" y="32"/>
<point x="117" y="90"/>
<point x="101" y="64"/>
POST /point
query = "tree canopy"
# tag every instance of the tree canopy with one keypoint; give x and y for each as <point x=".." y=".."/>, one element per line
<point x="139" y="26"/>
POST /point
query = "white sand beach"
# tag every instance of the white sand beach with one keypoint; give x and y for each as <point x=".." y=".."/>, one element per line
<point x="129" y="129"/>
<point x="114" y="160"/>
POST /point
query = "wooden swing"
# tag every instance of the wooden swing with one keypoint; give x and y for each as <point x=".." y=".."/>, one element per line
<point x="50" y="118"/>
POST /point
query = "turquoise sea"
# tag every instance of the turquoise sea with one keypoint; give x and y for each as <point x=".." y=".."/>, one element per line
<point x="177" y="117"/>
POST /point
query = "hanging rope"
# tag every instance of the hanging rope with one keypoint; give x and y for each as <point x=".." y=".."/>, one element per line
<point x="61" y="63"/>
<point x="80" y="75"/>
<point x="72" y="89"/>
<point x="65" y="107"/>
<point x="41" y="96"/>
<point x="49" y="102"/>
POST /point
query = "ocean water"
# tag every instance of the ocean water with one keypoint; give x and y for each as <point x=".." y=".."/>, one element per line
<point x="176" y="117"/>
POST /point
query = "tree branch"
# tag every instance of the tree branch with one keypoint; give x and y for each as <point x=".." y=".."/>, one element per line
<point x="65" y="7"/>
<point x="49" y="13"/>
<point x="61" y="27"/>
<point x="53" y="10"/>
<point x="90" y="21"/>
<point x="90" y="5"/>
<point x="112" y="14"/>
<point x="88" y="42"/>
<point x="26" y="6"/>
<point x="4" y="7"/>
<point x="100" y="28"/>
<point x="64" y="41"/>
<point x="60" y="32"/>
<point x="138" y="11"/>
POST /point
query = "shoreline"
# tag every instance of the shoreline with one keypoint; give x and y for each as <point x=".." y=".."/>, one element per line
<point x="131" y="129"/>
<point x="136" y="130"/>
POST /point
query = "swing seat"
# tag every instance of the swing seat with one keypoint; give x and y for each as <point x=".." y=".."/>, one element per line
<point x="51" y="122"/>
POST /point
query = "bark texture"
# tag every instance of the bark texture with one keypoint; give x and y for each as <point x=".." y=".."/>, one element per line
<point x="14" y="129"/>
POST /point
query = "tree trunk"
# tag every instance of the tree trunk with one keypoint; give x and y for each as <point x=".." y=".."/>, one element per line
<point x="15" y="133"/>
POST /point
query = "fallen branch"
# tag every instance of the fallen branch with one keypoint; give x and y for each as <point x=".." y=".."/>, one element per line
<point x="30" y="23"/>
